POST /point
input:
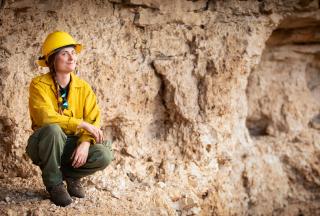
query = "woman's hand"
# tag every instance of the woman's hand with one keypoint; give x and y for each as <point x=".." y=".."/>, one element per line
<point x="93" y="130"/>
<point x="80" y="154"/>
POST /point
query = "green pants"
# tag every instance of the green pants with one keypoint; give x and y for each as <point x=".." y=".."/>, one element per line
<point x="51" y="149"/>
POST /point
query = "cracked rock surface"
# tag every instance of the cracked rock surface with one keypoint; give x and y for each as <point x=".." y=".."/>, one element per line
<point x="213" y="107"/>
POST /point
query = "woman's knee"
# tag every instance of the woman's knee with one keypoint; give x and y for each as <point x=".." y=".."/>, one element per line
<point x="106" y="156"/>
<point x="52" y="129"/>
<point x="52" y="135"/>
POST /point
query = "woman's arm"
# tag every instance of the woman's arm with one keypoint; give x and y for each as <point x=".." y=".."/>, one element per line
<point x="91" y="119"/>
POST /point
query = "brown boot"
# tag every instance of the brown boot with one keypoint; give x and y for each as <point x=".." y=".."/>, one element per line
<point x="74" y="187"/>
<point x="59" y="195"/>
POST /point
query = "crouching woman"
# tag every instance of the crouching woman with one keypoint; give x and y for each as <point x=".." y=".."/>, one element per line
<point x="67" y="143"/>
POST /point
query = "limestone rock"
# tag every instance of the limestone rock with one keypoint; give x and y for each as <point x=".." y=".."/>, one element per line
<point x="212" y="106"/>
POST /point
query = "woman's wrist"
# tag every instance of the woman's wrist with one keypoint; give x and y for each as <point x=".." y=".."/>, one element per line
<point x="85" y="143"/>
<point x="82" y="125"/>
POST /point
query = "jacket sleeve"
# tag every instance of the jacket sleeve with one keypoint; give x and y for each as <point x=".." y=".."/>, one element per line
<point x="91" y="114"/>
<point x="43" y="113"/>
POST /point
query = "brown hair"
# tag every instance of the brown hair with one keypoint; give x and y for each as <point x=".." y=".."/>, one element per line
<point x="51" y="61"/>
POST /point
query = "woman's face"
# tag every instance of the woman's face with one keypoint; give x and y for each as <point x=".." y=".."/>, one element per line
<point x="66" y="60"/>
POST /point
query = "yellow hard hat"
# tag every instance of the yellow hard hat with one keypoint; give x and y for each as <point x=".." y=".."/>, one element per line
<point x="55" y="41"/>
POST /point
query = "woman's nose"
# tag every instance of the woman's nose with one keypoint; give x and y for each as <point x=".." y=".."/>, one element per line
<point x="71" y="56"/>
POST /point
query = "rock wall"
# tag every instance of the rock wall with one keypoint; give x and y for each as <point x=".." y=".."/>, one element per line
<point x="284" y="89"/>
<point x="283" y="96"/>
<point x="179" y="82"/>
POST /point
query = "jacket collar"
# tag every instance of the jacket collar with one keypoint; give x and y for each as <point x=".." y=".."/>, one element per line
<point x="75" y="80"/>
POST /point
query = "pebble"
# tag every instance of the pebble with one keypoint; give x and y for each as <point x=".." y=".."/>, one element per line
<point x="91" y="190"/>
<point x="78" y="207"/>
<point x="7" y="199"/>
<point x="161" y="184"/>
<point x="38" y="212"/>
<point x="29" y="193"/>
<point x="11" y="212"/>
<point x="115" y="195"/>
<point x="88" y="202"/>
<point x="194" y="211"/>
<point x="187" y="203"/>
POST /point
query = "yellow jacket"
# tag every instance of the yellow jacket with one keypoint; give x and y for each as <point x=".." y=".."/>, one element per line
<point x="43" y="106"/>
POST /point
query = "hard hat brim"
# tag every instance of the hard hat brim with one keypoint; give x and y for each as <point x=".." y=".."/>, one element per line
<point x="42" y="63"/>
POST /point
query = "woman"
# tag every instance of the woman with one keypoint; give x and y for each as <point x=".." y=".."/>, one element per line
<point x="67" y="143"/>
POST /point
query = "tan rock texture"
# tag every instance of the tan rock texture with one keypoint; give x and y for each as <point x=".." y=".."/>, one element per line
<point x="213" y="107"/>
